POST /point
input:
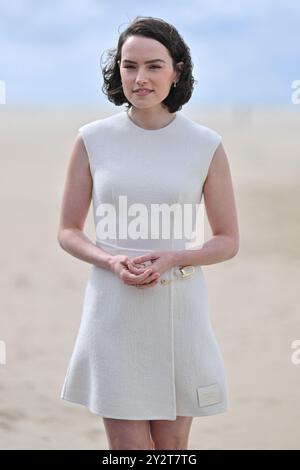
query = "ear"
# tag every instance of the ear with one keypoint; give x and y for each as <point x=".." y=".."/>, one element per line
<point x="179" y="68"/>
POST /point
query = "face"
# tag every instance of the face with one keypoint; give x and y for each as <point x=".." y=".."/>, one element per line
<point x="137" y="71"/>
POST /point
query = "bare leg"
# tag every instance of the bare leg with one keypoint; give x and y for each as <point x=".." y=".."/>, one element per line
<point x="123" y="434"/>
<point x="170" y="435"/>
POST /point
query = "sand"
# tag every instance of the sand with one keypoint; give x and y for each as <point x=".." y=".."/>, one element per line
<point x="254" y="297"/>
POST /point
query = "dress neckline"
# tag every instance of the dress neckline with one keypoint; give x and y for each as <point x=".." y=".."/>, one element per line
<point x="168" y="126"/>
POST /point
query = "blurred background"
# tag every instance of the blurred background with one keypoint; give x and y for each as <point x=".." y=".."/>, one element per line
<point x="246" y="60"/>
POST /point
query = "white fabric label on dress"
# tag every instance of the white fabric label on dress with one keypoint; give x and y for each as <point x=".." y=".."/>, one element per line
<point x="209" y="395"/>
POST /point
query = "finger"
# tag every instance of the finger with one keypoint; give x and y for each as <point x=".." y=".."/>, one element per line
<point x="146" y="286"/>
<point x="149" y="281"/>
<point x="141" y="265"/>
<point x="144" y="275"/>
<point x="152" y="277"/>
<point x="135" y="269"/>
<point x="137" y="277"/>
<point x="137" y="264"/>
<point x="142" y="258"/>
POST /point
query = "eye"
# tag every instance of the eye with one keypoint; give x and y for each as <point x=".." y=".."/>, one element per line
<point x="151" y="67"/>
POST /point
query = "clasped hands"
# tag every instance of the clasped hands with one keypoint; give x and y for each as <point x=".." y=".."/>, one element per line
<point x="133" y="272"/>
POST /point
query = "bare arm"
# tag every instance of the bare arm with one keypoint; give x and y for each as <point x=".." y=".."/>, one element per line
<point x="74" y="209"/>
<point x="221" y="213"/>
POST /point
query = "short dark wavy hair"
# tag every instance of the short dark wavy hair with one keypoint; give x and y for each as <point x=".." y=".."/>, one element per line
<point x="167" y="35"/>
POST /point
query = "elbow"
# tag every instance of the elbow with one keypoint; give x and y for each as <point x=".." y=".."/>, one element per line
<point x="64" y="235"/>
<point x="234" y="252"/>
<point x="60" y="238"/>
<point x="234" y="247"/>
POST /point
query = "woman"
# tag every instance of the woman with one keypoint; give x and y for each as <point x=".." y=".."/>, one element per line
<point x="146" y="358"/>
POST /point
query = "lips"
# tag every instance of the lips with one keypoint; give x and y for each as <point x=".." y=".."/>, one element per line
<point x="143" y="91"/>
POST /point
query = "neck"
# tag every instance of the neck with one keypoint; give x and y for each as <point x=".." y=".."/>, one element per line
<point x="150" y="119"/>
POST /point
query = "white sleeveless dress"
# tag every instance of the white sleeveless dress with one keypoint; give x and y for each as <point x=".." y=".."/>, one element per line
<point x="149" y="353"/>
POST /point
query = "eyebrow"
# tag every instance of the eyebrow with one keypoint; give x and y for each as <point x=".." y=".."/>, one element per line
<point x="146" y="62"/>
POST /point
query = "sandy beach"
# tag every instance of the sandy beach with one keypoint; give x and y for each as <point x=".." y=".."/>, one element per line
<point x="254" y="297"/>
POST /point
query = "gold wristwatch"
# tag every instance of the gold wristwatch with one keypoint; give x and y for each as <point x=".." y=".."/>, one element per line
<point x="185" y="271"/>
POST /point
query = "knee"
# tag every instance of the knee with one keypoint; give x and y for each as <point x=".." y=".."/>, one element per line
<point x="128" y="444"/>
<point x="170" y="443"/>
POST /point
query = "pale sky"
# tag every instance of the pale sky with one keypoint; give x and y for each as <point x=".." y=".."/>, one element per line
<point x="243" y="51"/>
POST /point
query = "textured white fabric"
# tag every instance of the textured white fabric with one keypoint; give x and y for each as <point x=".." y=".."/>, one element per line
<point x="146" y="353"/>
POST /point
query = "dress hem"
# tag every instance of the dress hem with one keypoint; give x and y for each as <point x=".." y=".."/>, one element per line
<point x="104" y="415"/>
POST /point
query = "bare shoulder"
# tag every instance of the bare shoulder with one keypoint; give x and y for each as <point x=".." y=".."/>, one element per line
<point x="79" y="152"/>
<point x="219" y="165"/>
<point x="219" y="196"/>
<point x="77" y="192"/>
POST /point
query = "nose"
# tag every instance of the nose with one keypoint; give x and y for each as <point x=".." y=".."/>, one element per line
<point x="141" y="81"/>
<point x="141" y="78"/>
